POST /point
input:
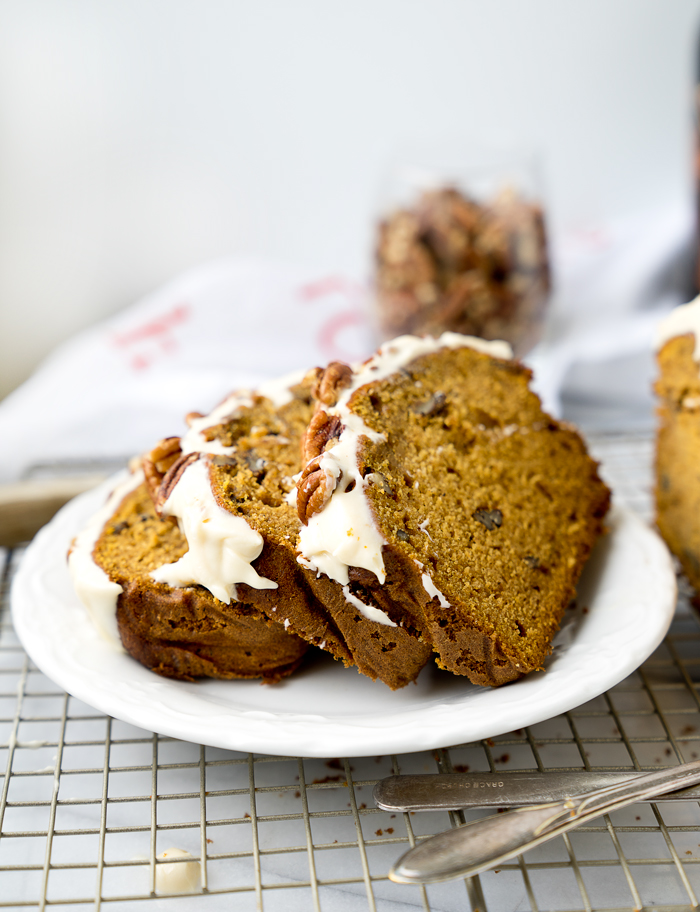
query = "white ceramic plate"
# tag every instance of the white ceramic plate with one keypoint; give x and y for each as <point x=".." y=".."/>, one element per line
<point x="626" y="599"/>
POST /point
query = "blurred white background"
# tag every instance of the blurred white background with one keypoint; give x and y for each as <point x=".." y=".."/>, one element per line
<point x="141" y="137"/>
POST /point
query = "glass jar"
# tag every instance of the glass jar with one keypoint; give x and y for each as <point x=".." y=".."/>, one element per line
<point x="463" y="249"/>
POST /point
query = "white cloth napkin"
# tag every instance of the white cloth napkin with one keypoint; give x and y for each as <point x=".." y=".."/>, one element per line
<point x="118" y="387"/>
<point x="614" y="283"/>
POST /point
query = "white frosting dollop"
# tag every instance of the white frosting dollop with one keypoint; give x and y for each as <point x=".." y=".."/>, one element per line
<point x="177" y="877"/>
<point x="681" y="320"/>
<point x="94" y="588"/>
<point x="344" y="533"/>
<point x="221" y="545"/>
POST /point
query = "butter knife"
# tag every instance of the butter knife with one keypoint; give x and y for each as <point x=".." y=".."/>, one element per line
<point x="468" y="850"/>
<point x="453" y="791"/>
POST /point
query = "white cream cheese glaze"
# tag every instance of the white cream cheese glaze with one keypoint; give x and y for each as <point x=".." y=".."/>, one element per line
<point x="433" y="590"/>
<point x="681" y="320"/>
<point x="221" y="546"/>
<point x="430" y="586"/>
<point x="369" y="611"/>
<point x="344" y="534"/>
<point x="94" y="588"/>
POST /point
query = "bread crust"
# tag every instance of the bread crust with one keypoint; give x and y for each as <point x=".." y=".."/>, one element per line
<point x="187" y="634"/>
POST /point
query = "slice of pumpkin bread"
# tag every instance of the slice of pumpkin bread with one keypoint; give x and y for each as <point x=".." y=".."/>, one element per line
<point x="177" y="632"/>
<point x="678" y="437"/>
<point x="437" y="487"/>
<point x="227" y="482"/>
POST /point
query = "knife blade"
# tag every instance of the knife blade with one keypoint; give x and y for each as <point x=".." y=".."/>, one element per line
<point x="454" y="791"/>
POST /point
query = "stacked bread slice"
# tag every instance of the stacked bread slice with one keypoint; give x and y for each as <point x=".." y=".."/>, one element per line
<point x="419" y="503"/>
<point x="183" y="632"/>
<point x="232" y="477"/>
<point x="678" y="437"/>
<point x="433" y="467"/>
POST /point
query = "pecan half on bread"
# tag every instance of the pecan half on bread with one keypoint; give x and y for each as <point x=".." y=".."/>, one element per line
<point x="158" y="461"/>
<point x="314" y="489"/>
<point x="321" y="430"/>
<point x="331" y="381"/>
<point x="315" y="486"/>
<point x="171" y="478"/>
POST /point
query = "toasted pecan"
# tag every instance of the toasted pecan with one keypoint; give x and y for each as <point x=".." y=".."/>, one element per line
<point x="314" y="490"/>
<point x="311" y="380"/>
<point x="171" y="478"/>
<point x="328" y="384"/>
<point x="158" y="461"/>
<point x="322" y="429"/>
<point x="165" y="453"/>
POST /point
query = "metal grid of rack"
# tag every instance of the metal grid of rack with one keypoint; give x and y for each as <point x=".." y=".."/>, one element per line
<point x="89" y="803"/>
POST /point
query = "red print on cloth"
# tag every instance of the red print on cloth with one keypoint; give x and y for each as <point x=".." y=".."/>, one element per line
<point x="149" y="341"/>
<point x="351" y="296"/>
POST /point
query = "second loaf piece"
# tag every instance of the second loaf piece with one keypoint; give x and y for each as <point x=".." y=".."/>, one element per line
<point x="228" y="487"/>
<point x="436" y="487"/>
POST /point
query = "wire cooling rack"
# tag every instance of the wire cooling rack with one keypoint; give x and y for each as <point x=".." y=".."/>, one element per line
<point x="89" y="803"/>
